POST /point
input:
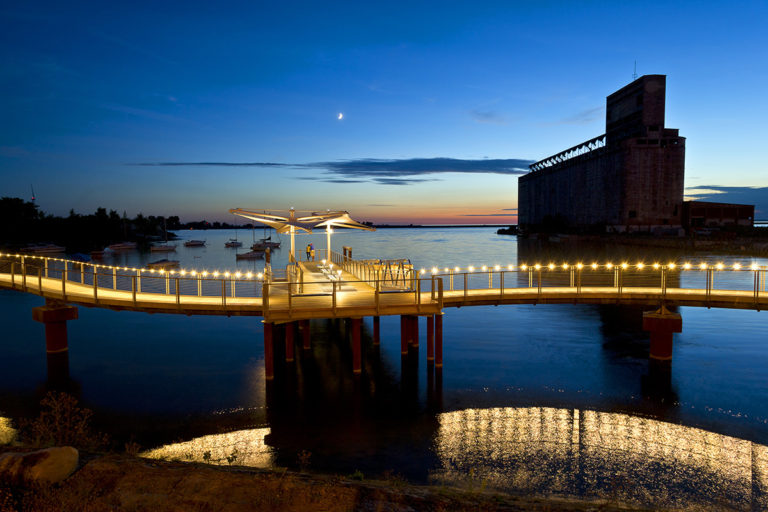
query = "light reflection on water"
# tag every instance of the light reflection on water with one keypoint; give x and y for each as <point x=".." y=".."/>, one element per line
<point x="539" y="450"/>
<point x="7" y="432"/>
<point x="242" y="448"/>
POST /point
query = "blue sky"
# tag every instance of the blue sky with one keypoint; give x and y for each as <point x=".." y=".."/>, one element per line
<point x="443" y="103"/>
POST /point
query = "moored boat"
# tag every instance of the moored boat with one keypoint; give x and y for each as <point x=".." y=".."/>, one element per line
<point x="250" y="255"/>
<point x="122" y="246"/>
<point x="163" y="264"/>
<point x="233" y="242"/>
<point x="194" y="243"/>
<point x="43" y="249"/>
<point x="162" y="248"/>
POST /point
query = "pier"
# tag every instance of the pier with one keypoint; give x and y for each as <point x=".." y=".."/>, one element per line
<point x="336" y="286"/>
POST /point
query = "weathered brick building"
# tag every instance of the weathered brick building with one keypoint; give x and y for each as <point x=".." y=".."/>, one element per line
<point x="628" y="179"/>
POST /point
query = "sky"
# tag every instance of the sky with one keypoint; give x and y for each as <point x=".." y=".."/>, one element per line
<point x="192" y="108"/>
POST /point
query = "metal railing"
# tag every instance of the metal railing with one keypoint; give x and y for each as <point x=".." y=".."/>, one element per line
<point x="28" y="271"/>
<point x="619" y="279"/>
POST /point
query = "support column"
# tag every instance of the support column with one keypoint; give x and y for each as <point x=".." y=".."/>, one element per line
<point x="403" y="334"/>
<point x="662" y="324"/>
<point x="356" y="348"/>
<point x="55" y="315"/>
<point x="289" y="342"/>
<point x="439" y="340"/>
<point x="305" y="334"/>
<point x="414" y="331"/>
<point x="376" y="330"/>
<point x="430" y="339"/>
<point x="269" y="357"/>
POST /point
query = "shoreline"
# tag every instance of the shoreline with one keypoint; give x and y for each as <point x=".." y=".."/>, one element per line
<point x="123" y="482"/>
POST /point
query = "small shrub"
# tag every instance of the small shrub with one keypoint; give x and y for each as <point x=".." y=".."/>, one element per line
<point x="132" y="448"/>
<point x="61" y="422"/>
<point x="357" y="475"/>
<point x="303" y="459"/>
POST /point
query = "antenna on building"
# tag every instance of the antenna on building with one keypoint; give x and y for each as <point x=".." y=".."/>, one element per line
<point x="634" y="73"/>
<point x="33" y="192"/>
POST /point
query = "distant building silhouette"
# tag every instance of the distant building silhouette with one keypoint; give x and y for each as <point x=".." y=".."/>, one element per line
<point x="628" y="179"/>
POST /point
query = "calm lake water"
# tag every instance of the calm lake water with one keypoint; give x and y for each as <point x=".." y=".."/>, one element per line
<point x="550" y="399"/>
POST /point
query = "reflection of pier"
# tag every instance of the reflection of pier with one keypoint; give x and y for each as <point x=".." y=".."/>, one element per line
<point x="341" y="287"/>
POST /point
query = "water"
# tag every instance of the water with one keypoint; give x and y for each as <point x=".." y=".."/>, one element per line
<point x="550" y="399"/>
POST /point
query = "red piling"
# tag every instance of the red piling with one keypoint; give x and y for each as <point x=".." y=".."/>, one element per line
<point x="54" y="316"/>
<point x="376" y="330"/>
<point x="305" y="334"/>
<point x="439" y="340"/>
<point x="356" y="349"/>
<point x="661" y="325"/>
<point x="430" y="338"/>
<point x="289" y="342"/>
<point x="269" y="358"/>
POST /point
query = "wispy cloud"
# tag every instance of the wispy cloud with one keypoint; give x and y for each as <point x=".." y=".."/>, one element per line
<point x="585" y="116"/>
<point x="489" y="215"/>
<point x="757" y="196"/>
<point x="381" y="171"/>
<point x="487" y="116"/>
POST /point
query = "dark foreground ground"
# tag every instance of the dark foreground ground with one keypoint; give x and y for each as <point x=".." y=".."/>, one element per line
<point x="124" y="483"/>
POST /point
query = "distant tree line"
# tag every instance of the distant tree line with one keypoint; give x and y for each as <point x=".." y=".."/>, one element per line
<point x="23" y="223"/>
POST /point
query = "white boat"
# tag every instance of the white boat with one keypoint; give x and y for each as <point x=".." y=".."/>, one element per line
<point x="43" y="249"/>
<point x="194" y="243"/>
<point x="122" y="246"/>
<point x="163" y="264"/>
<point x="251" y="255"/>
<point x="166" y="247"/>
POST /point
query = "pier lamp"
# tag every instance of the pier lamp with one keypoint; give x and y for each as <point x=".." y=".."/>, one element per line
<point x="249" y="275"/>
<point x="510" y="267"/>
<point x="594" y="266"/>
<point x="484" y="268"/>
<point x="687" y="266"/>
<point x="656" y="266"/>
<point x="537" y="266"/>
<point x="471" y="268"/>
<point x="260" y="275"/>
<point x="719" y="266"/>
<point x="640" y="266"/>
<point x="671" y="266"/>
<point x="624" y="266"/>
<point x="565" y="266"/>
<point x="434" y="270"/>
<point x="754" y="266"/>
<point x="497" y="268"/>
<point x="736" y="266"/>
<point x="551" y="266"/>
<point x="579" y="266"/>
<point x="456" y="269"/>
<point x="609" y="265"/>
<point x="523" y="267"/>
<point x="703" y="266"/>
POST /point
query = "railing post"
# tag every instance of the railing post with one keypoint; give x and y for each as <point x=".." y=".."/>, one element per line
<point x="490" y="279"/>
<point x="13" y="275"/>
<point x="376" y="297"/>
<point x="82" y="273"/>
<point x="23" y="274"/>
<point x="709" y="283"/>
<point x="432" y="288"/>
<point x="440" y="295"/>
<point x="167" y="282"/>
<point x="40" y="279"/>
<point x="178" y="291"/>
<point x="114" y="278"/>
<point x="573" y="273"/>
<point x="133" y="289"/>
<point x="757" y="289"/>
<point x="223" y="294"/>
<point x="663" y="282"/>
<point x="233" y="285"/>
<point x="46" y="266"/>
<point x="138" y="280"/>
<point x="95" y="285"/>
<point x="538" y="280"/>
<point x="418" y="295"/>
<point x="64" y="283"/>
<point x="450" y="279"/>
<point x="618" y="280"/>
<point x="199" y="285"/>
<point x="501" y="283"/>
<point x="466" y="278"/>
<point x="530" y="278"/>
<point x="578" y="282"/>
